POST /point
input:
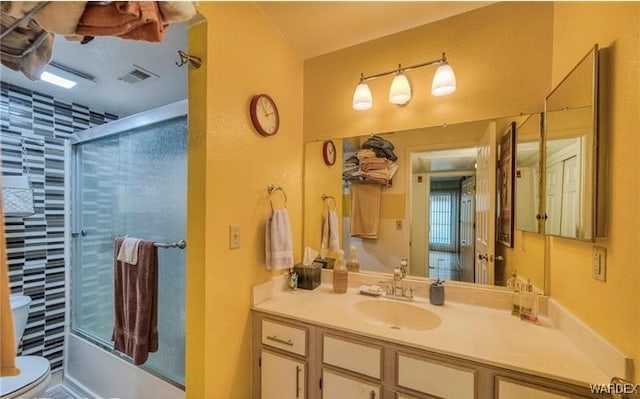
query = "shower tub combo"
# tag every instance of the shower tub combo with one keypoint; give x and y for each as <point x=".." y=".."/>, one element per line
<point x="128" y="177"/>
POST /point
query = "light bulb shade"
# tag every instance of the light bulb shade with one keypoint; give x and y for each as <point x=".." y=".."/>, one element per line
<point x="400" y="91"/>
<point x="444" y="81"/>
<point x="362" y="98"/>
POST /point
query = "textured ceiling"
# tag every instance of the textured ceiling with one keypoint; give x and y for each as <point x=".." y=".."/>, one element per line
<point x="319" y="27"/>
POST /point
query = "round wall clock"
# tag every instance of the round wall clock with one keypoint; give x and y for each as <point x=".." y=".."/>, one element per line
<point x="264" y="115"/>
<point x="329" y="152"/>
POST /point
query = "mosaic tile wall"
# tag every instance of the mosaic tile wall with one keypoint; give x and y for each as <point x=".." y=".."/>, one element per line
<point x="35" y="244"/>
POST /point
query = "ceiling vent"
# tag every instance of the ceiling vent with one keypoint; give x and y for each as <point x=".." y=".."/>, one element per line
<point x="137" y="75"/>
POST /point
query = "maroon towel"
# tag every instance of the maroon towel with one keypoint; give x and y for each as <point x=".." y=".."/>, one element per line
<point x="135" y="330"/>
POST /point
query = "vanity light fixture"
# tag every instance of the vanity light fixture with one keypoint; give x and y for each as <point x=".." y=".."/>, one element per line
<point x="444" y="82"/>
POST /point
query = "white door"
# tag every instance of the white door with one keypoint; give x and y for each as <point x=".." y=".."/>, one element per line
<point x="336" y="386"/>
<point x="570" y="193"/>
<point x="281" y="377"/>
<point x="467" y="230"/>
<point x="554" y="199"/>
<point x="486" y="207"/>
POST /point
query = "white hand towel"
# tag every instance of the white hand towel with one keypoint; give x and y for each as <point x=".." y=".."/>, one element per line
<point x="330" y="236"/>
<point x="129" y="251"/>
<point x="278" y="241"/>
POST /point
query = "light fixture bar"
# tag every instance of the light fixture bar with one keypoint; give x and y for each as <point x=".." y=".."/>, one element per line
<point x="364" y="78"/>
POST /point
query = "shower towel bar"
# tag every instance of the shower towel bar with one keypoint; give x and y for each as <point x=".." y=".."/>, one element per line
<point x="182" y="244"/>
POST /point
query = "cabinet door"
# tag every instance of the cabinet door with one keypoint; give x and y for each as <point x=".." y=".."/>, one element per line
<point x="513" y="390"/>
<point x="336" y="386"/>
<point x="281" y="377"/>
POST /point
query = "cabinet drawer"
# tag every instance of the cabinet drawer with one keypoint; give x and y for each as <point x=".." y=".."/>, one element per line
<point x="337" y="386"/>
<point x="513" y="390"/>
<point x="352" y="356"/>
<point x="285" y="337"/>
<point x="435" y="378"/>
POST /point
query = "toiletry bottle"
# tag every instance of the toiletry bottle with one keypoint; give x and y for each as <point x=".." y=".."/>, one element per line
<point x="340" y="275"/>
<point x="514" y="284"/>
<point x="511" y="281"/>
<point x="529" y="303"/>
<point x="353" y="265"/>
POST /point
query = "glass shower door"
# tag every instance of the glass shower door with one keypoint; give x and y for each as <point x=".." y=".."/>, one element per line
<point x="131" y="183"/>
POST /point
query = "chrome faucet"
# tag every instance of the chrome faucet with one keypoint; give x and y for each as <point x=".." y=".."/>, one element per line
<point x="396" y="289"/>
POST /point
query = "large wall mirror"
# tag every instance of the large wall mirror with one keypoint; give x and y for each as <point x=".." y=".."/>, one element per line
<point x="571" y="166"/>
<point x="439" y="208"/>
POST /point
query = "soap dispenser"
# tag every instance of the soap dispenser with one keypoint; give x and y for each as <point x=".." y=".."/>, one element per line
<point x="529" y="304"/>
<point x="514" y="284"/>
<point x="353" y="265"/>
<point x="340" y="275"/>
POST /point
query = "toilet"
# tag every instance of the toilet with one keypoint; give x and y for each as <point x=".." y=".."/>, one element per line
<point x="35" y="371"/>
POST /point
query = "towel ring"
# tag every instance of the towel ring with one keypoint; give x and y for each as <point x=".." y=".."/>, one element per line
<point x="271" y="189"/>
<point x="328" y="199"/>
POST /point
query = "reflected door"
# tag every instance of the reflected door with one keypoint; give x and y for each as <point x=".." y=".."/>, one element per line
<point x="486" y="207"/>
<point x="467" y="229"/>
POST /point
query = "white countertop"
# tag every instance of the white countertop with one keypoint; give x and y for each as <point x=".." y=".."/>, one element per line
<point x="486" y="335"/>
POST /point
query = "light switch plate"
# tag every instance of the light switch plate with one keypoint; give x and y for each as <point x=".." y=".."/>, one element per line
<point x="599" y="263"/>
<point x="234" y="237"/>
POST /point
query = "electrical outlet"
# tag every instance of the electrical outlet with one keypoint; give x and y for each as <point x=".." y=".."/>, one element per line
<point x="599" y="264"/>
<point x="234" y="237"/>
<point x="398" y="224"/>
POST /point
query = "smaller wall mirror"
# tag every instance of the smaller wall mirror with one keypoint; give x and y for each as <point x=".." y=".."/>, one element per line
<point x="527" y="180"/>
<point x="571" y="158"/>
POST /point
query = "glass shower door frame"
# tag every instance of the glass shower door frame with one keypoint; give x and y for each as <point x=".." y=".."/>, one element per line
<point x="114" y="128"/>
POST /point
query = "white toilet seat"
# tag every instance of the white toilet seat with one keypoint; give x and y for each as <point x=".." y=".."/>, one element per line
<point x="35" y="371"/>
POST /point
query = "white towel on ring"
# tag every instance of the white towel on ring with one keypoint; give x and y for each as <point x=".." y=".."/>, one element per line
<point x="129" y="251"/>
<point x="330" y="236"/>
<point x="278" y="242"/>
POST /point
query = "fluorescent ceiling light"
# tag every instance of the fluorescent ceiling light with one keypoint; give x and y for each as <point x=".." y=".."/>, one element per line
<point x="57" y="80"/>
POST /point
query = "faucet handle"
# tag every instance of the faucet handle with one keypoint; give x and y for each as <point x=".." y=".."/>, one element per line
<point x="407" y="291"/>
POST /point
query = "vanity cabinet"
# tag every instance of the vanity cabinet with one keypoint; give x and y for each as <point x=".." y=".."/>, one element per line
<point x="282" y="377"/>
<point x="340" y="386"/>
<point x="282" y="361"/>
<point x="315" y="362"/>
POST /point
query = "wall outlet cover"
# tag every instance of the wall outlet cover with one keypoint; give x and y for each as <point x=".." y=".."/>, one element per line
<point x="599" y="263"/>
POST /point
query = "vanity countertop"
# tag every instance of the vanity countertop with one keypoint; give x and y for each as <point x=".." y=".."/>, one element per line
<point x="490" y="336"/>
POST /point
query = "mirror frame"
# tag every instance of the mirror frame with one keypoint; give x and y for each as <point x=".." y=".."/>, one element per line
<point x="596" y="216"/>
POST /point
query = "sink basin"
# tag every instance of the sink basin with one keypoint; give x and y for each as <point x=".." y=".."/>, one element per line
<point x="397" y="315"/>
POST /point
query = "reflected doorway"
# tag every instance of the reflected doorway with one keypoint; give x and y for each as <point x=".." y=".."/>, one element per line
<point x="443" y="214"/>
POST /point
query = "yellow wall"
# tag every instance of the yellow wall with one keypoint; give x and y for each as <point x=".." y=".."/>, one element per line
<point x="196" y="203"/>
<point x="526" y="257"/>
<point x="501" y="55"/>
<point x="611" y="308"/>
<point x="246" y="56"/>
